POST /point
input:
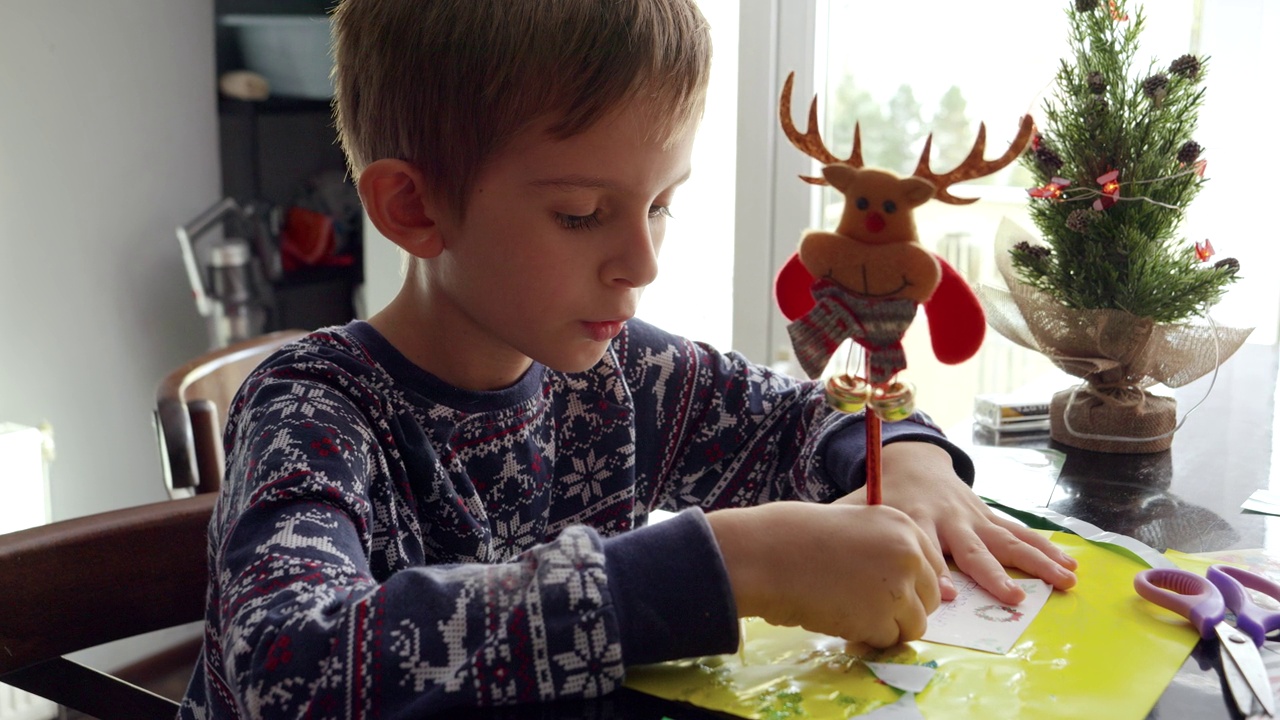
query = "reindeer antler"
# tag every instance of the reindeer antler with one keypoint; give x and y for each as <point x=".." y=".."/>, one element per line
<point x="973" y="165"/>
<point x="810" y="143"/>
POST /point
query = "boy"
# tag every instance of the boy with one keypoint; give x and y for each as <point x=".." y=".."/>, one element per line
<point x="444" y="506"/>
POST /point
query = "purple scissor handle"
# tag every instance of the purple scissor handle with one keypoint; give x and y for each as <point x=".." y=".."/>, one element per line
<point x="1185" y="593"/>
<point x="1251" y="619"/>
<point x="1204" y="602"/>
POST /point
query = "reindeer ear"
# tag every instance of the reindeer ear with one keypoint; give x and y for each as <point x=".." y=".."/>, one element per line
<point x="840" y="175"/>
<point x="916" y="190"/>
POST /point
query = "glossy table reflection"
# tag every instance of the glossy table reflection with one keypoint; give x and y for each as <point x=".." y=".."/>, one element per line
<point x="1187" y="498"/>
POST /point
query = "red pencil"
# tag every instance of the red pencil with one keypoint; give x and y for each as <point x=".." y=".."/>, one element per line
<point x="873" y="457"/>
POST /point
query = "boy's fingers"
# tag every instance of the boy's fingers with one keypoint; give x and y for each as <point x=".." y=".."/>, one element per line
<point x="1043" y="544"/>
<point x="911" y="625"/>
<point x="975" y="559"/>
<point x="1034" y="554"/>
<point x="946" y="587"/>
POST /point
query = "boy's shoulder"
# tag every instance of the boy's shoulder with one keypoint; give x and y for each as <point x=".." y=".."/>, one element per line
<point x="332" y="357"/>
<point x="339" y="344"/>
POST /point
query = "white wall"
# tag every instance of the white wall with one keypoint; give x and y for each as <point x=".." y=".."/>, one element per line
<point x="108" y="141"/>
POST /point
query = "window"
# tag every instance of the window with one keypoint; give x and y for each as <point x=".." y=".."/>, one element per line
<point x="903" y="71"/>
<point x="693" y="295"/>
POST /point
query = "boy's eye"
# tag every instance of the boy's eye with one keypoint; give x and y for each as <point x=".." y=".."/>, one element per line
<point x="657" y="211"/>
<point x="579" y="222"/>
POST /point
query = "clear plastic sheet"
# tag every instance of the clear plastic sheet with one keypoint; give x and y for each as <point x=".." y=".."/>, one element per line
<point x="1097" y="650"/>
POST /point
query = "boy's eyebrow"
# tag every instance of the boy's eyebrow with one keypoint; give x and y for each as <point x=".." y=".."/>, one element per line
<point x="577" y="182"/>
<point x="574" y="182"/>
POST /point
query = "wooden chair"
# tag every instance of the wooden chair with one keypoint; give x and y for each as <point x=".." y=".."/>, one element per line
<point x="78" y="583"/>
<point x="191" y="411"/>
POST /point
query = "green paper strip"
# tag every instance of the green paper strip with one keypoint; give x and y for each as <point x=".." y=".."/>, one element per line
<point x="1046" y="519"/>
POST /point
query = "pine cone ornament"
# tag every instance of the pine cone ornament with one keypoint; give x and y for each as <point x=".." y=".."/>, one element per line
<point x="1189" y="151"/>
<point x="1230" y="265"/>
<point x="1086" y="5"/>
<point x="1035" y="252"/>
<point x="1080" y="220"/>
<point x="1048" y="159"/>
<point x="1186" y="66"/>
<point x="1097" y="84"/>
<point x="1156" y="87"/>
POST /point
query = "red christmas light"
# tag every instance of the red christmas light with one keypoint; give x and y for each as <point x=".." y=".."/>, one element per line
<point x="1110" y="190"/>
<point x="1204" y="250"/>
<point x="1051" y="191"/>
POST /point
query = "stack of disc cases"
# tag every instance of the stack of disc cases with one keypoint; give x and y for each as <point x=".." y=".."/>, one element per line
<point x="1011" y="413"/>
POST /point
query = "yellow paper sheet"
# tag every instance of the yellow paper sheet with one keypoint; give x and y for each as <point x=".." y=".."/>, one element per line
<point x="1097" y="650"/>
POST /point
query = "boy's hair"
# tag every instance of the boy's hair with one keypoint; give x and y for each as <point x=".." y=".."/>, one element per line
<point x="444" y="84"/>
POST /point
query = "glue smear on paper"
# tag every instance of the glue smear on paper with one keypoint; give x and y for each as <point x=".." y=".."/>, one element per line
<point x="977" y="620"/>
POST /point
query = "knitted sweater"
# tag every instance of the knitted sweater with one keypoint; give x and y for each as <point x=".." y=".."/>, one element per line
<point x="386" y="545"/>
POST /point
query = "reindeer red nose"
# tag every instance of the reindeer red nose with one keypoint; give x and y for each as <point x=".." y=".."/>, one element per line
<point x="875" y="222"/>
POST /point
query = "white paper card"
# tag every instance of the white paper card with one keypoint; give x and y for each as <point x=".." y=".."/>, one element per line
<point x="977" y="620"/>
<point x="1264" y="502"/>
<point x="908" y="678"/>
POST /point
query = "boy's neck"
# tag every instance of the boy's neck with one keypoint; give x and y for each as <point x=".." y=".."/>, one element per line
<point x="433" y="344"/>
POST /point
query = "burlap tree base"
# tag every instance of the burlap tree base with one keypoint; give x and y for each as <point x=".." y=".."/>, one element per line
<point x="1126" y="420"/>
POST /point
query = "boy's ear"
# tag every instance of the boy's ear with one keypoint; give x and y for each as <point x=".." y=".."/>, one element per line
<point x="396" y="197"/>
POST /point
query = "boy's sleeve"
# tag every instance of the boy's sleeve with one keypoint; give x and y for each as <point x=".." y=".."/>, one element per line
<point x="306" y="620"/>
<point x="716" y="430"/>
<point x="844" y="454"/>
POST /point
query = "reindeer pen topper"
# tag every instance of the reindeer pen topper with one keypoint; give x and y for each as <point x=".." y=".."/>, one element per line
<point x="865" y="280"/>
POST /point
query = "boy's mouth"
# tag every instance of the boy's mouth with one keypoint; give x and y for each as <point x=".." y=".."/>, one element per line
<point x="603" y="331"/>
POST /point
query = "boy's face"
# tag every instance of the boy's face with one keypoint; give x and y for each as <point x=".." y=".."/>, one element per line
<point x="559" y="239"/>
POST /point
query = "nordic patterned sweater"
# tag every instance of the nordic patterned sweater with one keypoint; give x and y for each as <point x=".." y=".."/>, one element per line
<point x="386" y="545"/>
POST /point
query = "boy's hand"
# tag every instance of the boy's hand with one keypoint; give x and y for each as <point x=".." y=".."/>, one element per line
<point x="918" y="479"/>
<point x="866" y="574"/>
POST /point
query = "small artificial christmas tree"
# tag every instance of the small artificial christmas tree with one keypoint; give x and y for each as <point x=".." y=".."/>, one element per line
<point x="1117" y="165"/>
<point x="1110" y="292"/>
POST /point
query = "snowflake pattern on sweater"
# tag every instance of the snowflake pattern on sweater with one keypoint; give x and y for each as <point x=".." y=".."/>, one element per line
<point x="386" y="545"/>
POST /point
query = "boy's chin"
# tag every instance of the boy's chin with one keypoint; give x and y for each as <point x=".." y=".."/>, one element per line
<point x="577" y="362"/>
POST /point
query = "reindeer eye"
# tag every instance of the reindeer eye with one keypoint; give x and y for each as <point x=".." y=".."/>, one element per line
<point x="862" y="203"/>
<point x="890" y="206"/>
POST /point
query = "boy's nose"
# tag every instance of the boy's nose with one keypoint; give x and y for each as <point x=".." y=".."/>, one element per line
<point x="636" y="262"/>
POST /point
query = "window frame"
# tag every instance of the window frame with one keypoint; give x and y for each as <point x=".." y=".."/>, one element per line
<point x="772" y="208"/>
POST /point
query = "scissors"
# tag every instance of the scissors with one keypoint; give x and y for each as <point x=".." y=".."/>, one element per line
<point x="1204" y="601"/>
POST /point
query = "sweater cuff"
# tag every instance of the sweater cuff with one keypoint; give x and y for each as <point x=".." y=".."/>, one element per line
<point x="846" y="452"/>
<point x="671" y="592"/>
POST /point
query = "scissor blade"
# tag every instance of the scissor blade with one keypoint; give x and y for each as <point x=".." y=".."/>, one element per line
<point x="1241" y="694"/>
<point x="1240" y="650"/>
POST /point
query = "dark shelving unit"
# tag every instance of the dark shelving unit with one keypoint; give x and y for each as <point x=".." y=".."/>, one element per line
<point x="273" y="152"/>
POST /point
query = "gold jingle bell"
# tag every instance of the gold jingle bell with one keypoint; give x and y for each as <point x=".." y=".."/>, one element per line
<point x="893" y="403"/>
<point x="847" y="393"/>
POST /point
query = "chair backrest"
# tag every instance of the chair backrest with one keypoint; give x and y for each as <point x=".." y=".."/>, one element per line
<point x="191" y="411"/>
<point x="74" y="584"/>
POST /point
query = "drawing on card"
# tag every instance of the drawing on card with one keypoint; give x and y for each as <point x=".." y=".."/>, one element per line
<point x="977" y="620"/>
